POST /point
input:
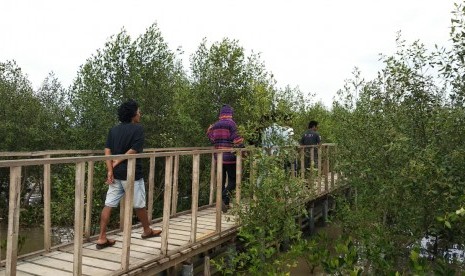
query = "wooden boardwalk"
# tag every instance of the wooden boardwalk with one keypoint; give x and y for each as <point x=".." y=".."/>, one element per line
<point x="185" y="234"/>
<point x="143" y="253"/>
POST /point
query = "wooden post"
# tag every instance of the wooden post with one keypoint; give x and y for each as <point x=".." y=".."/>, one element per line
<point x="253" y="172"/>
<point x="331" y="168"/>
<point x="166" y="204"/>
<point x="253" y="166"/>
<point x="311" y="217"/>
<point x="47" y="206"/>
<point x="151" y="188"/>
<point x="129" y="203"/>
<point x="212" y="179"/>
<point x="206" y="266"/>
<point x="302" y="163"/>
<point x="325" y="210"/>
<point x="293" y="169"/>
<point x="122" y="207"/>
<point x="312" y="165"/>
<point x="174" y="200"/>
<point x="336" y="167"/>
<point x="319" y="169"/>
<point x="89" y="198"/>
<point x="238" y="177"/>
<point x="219" y="189"/>
<point x="195" y="196"/>
<point x="13" y="221"/>
<point x="326" y="168"/>
<point x="78" y="217"/>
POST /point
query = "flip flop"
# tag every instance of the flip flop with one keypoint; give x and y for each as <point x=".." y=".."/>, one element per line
<point x="155" y="233"/>
<point x="108" y="243"/>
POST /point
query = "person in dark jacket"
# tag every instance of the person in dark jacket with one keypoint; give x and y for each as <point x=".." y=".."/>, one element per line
<point x="223" y="135"/>
<point x="311" y="137"/>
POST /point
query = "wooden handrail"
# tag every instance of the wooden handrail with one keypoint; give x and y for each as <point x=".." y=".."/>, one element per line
<point x="82" y="228"/>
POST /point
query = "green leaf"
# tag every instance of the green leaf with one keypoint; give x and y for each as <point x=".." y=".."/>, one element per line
<point x="447" y="224"/>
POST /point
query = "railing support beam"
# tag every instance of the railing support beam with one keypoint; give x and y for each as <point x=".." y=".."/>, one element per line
<point x="47" y="207"/>
<point x="78" y="217"/>
<point x="13" y="221"/>
<point x="128" y="202"/>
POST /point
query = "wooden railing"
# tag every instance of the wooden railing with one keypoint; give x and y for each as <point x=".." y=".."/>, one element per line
<point x="82" y="221"/>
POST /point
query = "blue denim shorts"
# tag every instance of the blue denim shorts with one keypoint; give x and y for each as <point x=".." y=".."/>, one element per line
<point x="116" y="191"/>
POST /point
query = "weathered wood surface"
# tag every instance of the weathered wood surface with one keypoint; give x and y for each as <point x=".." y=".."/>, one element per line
<point x="182" y="238"/>
<point x="107" y="261"/>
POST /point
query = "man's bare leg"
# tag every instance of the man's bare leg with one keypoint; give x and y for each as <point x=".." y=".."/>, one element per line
<point x="104" y="220"/>
<point x="143" y="218"/>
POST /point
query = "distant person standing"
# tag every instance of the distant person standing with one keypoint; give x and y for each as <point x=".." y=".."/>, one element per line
<point x="223" y="135"/>
<point x="275" y="136"/>
<point x="125" y="138"/>
<point x="311" y="137"/>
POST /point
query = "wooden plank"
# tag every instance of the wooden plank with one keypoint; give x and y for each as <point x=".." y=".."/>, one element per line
<point x="174" y="200"/>
<point x="195" y="195"/>
<point x="117" y="250"/>
<point x="35" y="269"/>
<point x="188" y="225"/>
<point x="89" y="261"/>
<point x="219" y="189"/>
<point x="154" y="244"/>
<point x="13" y="220"/>
<point x="103" y="255"/>
<point x="201" y="220"/>
<point x="18" y="273"/>
<point x="179" y="232"/>
<point x="176" y="236"/>
<point x="67" y="266"/>
<point x="185" y="228"/>
<point x="173" y="229"/>
<point x="151" y="188"/>
<point x="212" y="179"/>
<point x="166" y="204"/>
<point x="137" y="248"/>
<point x="47" y="207"/>
<point x="206" y="220"/>
<point x="89" y="198"/>
<point x="135" y="237"/>
<point x="213" y="223"/>
<point x="70" y="160"/>
<point x="129" y="202"/>
<point x="146" y="246"/>
<point x="78" y="217"/>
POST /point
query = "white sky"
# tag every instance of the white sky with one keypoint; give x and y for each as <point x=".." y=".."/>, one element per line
<point x="311" y="44"/>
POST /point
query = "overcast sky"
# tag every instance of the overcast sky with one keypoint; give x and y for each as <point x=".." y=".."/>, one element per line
<point x="314" y="45"/>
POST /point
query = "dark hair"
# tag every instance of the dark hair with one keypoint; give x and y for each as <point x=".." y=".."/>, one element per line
<point x="127" y="111"/>
<point x="312" y="124"/>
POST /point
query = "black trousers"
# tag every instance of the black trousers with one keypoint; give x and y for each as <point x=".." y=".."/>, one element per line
<point x="230" y="171"/>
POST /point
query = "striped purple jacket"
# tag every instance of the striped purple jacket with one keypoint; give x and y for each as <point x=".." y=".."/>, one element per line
<point x="223" y="134"/>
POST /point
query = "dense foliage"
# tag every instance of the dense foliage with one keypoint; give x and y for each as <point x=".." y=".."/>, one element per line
<point x="400" y="142"/>
<point x="402" y="152"/>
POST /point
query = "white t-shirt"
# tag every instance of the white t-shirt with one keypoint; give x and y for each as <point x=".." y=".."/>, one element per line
<point x="278" y="136"/>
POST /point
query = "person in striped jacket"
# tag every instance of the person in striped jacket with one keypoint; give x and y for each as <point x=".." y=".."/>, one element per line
<point x="223" y="135"/>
